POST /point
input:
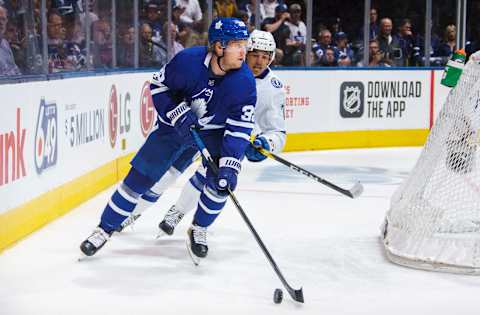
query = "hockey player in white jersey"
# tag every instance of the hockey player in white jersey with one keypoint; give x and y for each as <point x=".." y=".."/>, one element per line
<point x="269" y="131"/>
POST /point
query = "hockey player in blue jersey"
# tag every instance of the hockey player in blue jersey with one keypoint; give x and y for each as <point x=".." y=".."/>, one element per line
<point x="211" y="89"/>
<point x="269" y="132"/>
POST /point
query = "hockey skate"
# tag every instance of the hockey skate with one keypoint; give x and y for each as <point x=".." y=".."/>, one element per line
<point x="94" y="242"/>
<point x="170" y="221"/>
<point x="128" y="222"/>
<point x="197" y="243"/>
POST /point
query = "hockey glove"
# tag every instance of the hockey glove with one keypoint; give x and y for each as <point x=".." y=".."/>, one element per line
<point x="224" y="180"/>
<point x="252" y="153"/>
<point x="183" y="119"/>
<point x="227" y="179"/>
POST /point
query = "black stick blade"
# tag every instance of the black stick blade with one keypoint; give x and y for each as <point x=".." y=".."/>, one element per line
<point x="297" y="295"/>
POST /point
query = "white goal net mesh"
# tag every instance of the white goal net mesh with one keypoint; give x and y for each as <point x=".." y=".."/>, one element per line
<point x="434" y="217"/>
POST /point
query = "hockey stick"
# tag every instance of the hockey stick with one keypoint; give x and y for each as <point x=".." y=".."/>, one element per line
<point x="353" y="192"/>
<point x="296" y="295"/>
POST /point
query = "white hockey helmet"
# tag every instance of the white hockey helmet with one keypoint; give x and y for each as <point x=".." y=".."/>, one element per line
<point x="264" y="41"/>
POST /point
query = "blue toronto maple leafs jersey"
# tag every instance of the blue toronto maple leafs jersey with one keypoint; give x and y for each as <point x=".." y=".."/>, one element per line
<point x="225" y="103"/>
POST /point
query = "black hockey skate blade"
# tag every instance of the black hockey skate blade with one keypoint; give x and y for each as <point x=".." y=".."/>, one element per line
<point x="82" y="257"/>
<point x="160" y="234"/>
<point x="195" y="259"/>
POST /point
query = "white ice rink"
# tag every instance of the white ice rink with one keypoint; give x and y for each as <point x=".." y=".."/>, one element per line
<point x="325" y="242"/>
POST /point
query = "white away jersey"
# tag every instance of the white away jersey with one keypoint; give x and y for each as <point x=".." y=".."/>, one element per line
<point x="269" y="115"/>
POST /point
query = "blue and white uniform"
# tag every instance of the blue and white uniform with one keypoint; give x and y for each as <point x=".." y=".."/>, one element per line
<point x="269" y="111"/>
<point x="269" y="126"/>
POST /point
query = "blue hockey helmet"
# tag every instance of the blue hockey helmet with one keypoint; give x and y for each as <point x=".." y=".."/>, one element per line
<point x="224" y="30"/>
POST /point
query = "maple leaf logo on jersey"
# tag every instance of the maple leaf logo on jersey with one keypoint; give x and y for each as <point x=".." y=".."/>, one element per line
<point x="199" y="107"/>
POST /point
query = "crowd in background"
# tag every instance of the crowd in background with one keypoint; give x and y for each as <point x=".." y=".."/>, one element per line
<point x="396" y="36"/>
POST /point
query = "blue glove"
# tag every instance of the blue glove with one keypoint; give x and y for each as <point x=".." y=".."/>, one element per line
<point x="226" y="178"/>
<point x="183" y="119"/>
<point x="252" y="154"/>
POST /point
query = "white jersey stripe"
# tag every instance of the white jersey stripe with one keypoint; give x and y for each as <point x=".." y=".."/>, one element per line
<point x="238" y="135"/>
<point x="160" y="89"/>
<point x="240" y="123"/>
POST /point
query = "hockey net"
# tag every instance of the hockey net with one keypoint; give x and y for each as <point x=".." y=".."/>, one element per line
<point x="434" y="218"/>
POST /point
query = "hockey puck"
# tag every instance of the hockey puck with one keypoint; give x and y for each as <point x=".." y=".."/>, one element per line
<point x="278" y="296"/>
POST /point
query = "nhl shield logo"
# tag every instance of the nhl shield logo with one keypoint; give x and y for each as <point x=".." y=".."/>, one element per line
<point x="351" y="99"/>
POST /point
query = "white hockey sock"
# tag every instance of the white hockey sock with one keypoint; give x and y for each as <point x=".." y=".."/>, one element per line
<point x="149" y="198"/>
<point x="188" y="198"/>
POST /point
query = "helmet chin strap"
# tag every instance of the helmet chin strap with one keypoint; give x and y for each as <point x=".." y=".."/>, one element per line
<point x="219" y="58"/>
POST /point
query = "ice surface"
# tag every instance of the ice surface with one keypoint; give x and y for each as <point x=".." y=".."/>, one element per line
<point x="321" y="240"/>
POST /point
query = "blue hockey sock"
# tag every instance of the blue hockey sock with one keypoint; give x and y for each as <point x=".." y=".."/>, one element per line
<point x="124" y="200"/>
<point x="209" y="207"/>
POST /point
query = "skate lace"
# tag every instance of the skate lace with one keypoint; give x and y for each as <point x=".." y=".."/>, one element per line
<point x="200" y="235"/>
<point x="173" y="217"/>
<point x="98" y="237"/>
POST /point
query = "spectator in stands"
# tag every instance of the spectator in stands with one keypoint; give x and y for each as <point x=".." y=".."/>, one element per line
<point x="7" y="61"/>
<point x="17" y="45"/>
<point x="91" y="14"/>
<point x="192" y="16"/>
<point x="390" y="45"/>
<point x="74" y="32"/>
<point x="376" y="56"/>
<point x="74" y="44"/>
<point x="374" y="28"/>
<point x="126" y="47"/>
<point x="269" y="7"/>
<point x="328" y="59"/>
<point x="407" y="41"/>
<point x="344" y="52"/>
<point x="449" y="43"/>
<point x="324" y="41"/>
<point x="154" y="20"/>
<point x="249" y="7"/>
<point x="101" y="47"/>
<point x="184" y="31"/>
<point x="150" y="55"/>
<point x="297" y="39"/>
<point x="226" y="8"/>
<point x="278" y="28"/>
<point x="176" y="46"/>
<point x="57" y="55"/>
